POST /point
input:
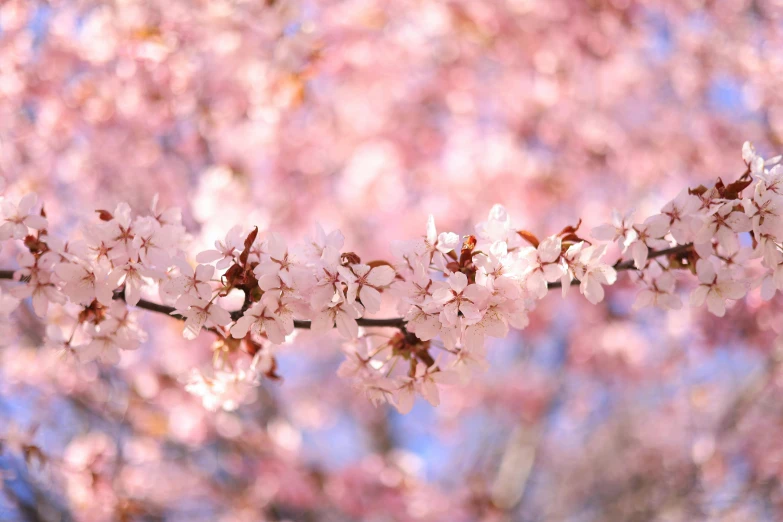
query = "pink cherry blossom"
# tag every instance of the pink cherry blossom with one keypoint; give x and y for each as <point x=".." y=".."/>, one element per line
<point x="82" y="283"/>
<point x="459" y="297"/>
<point x="414" y="289"/>
<point x="543" y="266"/>
<point x="313" y="247"/>
<point x="16" y="218"/>
<point x="277" y="259"/>
<point x="584" y="264"/>
<point x="189" y="281"/>
<point x="659" y="292"/>
<point x="366" y="283"/>
<point x="723" y="224"/>
<point x="223" y="390"/>
<point x="493" y="323"/>
<point x="225" y="251"/>
<point x="343" y="315"/>
<point x="435" y="243"/>
<point x="259" y="320"/>
<point x="40" y="287"/>
<point x="621" y="230"/>
<point x="648" y="235"/>
<point x="715" y="288"/>
<point x="424" y="324"/>
<point x="131" y="276"/>
<point x="425" y="382"/>
<point x="683" y="217"/>
<point x="200" y="313"/>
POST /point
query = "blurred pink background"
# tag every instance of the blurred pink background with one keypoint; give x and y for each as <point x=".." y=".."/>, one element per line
<point x="367" y="116"/>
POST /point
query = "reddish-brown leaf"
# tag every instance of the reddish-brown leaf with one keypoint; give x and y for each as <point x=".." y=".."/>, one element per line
<point x="466" y="256"/>
<point x="350" y="258"/>
<point x="571" y="230"/>
<point x="733" y="190"/>
<point x="35" y="245"/>
<point x="249" y="240"/>
<point x="252" y="346"/>
<point x="698" y="191"/>
<point x="104" y="215"/>
<point x="233" y="275"/>
<point x="529" y="237"/>
<point x="272" y="373"/>
<point x="379" y="262"/>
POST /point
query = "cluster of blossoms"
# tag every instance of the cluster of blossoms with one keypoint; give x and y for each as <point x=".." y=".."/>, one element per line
<point x="726" y="227"/>
<point x="451" y="292"/>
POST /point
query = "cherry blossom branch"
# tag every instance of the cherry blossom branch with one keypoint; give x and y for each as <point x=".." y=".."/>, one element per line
<point x="679" y="249"/>
<point x="391" y="322"/>
<point x="453" y="291"/>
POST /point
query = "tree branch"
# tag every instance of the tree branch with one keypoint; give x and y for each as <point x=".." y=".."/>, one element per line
<point x="392" y="322"/>
<point x="628" y="264"/>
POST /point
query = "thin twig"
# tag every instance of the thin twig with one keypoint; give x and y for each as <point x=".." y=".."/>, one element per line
<point x="629" y="264"/>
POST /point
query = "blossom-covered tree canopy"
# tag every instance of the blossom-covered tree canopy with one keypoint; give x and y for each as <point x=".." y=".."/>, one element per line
<point x="405" y="261"/>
